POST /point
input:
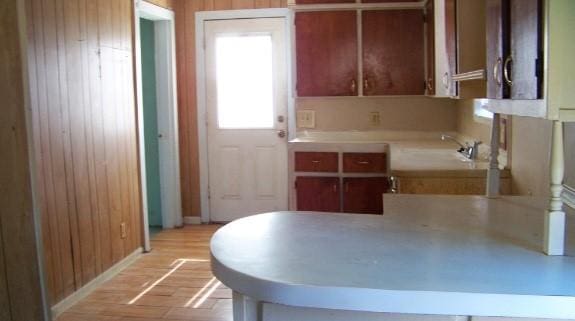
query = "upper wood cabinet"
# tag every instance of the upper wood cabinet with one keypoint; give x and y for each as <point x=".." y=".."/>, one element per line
<point x="431" y="78"/>
<point x="537" y="78"/>
<point x="514" y="65"/>
<point x="326" y="50"/>
<point x="471" y="44"/>
<point x="441" y="32"/>
<point x="392" y="53"/>
<point x="497" y="47"/>
<point x="393" y="61"/>
<point x="524" y="63"/>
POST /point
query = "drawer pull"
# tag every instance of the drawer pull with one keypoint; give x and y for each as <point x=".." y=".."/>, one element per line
<point x="363" y="162"/>
<point x="315" y="161"/>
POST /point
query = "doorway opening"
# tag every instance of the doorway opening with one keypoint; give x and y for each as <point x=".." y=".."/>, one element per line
<point x="157" y="119"/>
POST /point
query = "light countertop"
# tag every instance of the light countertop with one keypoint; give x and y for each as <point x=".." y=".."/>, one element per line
<point x="410" y="151"/>
<point x="447" y="255"/>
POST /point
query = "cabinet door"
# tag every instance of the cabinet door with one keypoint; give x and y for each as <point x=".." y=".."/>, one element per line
<point x="393" y="55"/>
<point x="525" y="67"/>
<point x="450" y="48"/>
<point x="430" y="49"/>
<point x="364" y="194"/>
<point x="318" y="194"/>
<point x="497" y="46"/>
<point x="326" y="49"/>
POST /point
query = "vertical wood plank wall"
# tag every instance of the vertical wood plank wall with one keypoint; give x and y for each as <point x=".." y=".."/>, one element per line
<point x="186" y="75"/>
<point x="84" y="125"/>
<point x="20" y="288"/>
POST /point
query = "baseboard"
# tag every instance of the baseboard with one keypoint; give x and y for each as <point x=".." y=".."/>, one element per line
<point x="87" y="289"/>
<point x="192" y="220"/>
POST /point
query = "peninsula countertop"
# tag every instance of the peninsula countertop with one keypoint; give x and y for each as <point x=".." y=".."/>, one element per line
<point x="447" y="255"/>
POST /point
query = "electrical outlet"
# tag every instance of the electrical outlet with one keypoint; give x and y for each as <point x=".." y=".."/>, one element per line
<point x="374" y="118"/>
<point x="123" y="232"/>
<point x="305" y="119"/>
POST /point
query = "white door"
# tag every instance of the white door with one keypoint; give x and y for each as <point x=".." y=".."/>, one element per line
<point x="246" y="89"/>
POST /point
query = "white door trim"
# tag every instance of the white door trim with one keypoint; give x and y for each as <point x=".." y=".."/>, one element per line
<point x="167" y="115"/>
<point x="201" y="17"/>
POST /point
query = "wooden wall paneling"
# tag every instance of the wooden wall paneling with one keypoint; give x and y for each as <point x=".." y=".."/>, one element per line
<point x="79" y="165"/>
<point x="53" y="147"/>
<point x="119" y="60"/>
<point x="67" y="62"/>
<point x="89" y="137"/>
<point x="168" y="4"/>
<point x="95" y="151"/>
<point x="181" y="75"/>
<point x="20" y="284"/>
<point x="109" y="74"/>
<point x="209" y="5"/>
<point x="243" y="4"/>
<point x="222" y="4"/>
<point x="45" y="204"/>
<point x="187" y="105"/>
<point x="262" y="4"/>
<point x="102" y="215"/>
<point x="82" y="96"/>
<point x="66" y="121"/>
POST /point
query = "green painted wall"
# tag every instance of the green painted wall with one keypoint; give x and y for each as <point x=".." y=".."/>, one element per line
<point x="150" y="122"/>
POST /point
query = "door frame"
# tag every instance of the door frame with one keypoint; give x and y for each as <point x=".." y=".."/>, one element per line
<point x="165" y="50"/>
<point x="201" y="18"/>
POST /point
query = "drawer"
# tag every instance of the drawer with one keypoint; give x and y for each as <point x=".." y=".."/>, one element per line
<point x="364" y="163"/>
<point x="316" y="162"/>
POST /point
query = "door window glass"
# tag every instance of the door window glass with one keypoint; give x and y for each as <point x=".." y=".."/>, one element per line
<point x="244" y="81"/>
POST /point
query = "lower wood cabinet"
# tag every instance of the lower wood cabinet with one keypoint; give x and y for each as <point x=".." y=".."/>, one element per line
<point x="320" y="194"/>
<point x="364" y="194"/>
<point x="448" y="185"/>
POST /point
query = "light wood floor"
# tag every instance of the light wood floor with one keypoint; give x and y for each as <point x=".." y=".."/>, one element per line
<point x="173" y="282"/>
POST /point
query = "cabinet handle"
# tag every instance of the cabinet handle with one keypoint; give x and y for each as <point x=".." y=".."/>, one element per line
<point x="353" y="86"/>
<point x="393" y="183"/>
<point x="363" y="162"/>
<point x="365" y="84"/>
<point x="496" y="75"/>
<point x="446" y="80"/>
<point x="506" y="72"/>
<point x="429" y="84"/>
<point x="315" y="161"/>
<point x="334" y="188"/>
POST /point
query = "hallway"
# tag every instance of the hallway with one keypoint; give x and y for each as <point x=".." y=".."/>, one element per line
<point x="172" y="282"/>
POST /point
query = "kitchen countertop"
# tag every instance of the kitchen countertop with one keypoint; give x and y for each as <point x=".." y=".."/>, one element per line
<point x="446" y="255"/>
<point x="412" y="153"/>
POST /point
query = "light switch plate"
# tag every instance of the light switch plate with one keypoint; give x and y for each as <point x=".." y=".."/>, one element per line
<point x="305" y="119"/>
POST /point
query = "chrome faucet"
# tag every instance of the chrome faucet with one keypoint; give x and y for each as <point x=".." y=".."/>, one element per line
<point x="467" y="150"/>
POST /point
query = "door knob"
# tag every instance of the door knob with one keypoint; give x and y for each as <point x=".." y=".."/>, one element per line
<point x="281" y="133"/>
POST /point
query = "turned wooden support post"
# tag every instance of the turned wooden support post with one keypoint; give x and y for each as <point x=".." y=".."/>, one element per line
<point x="554" y="233"/>
<point x="493" y="171"/>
